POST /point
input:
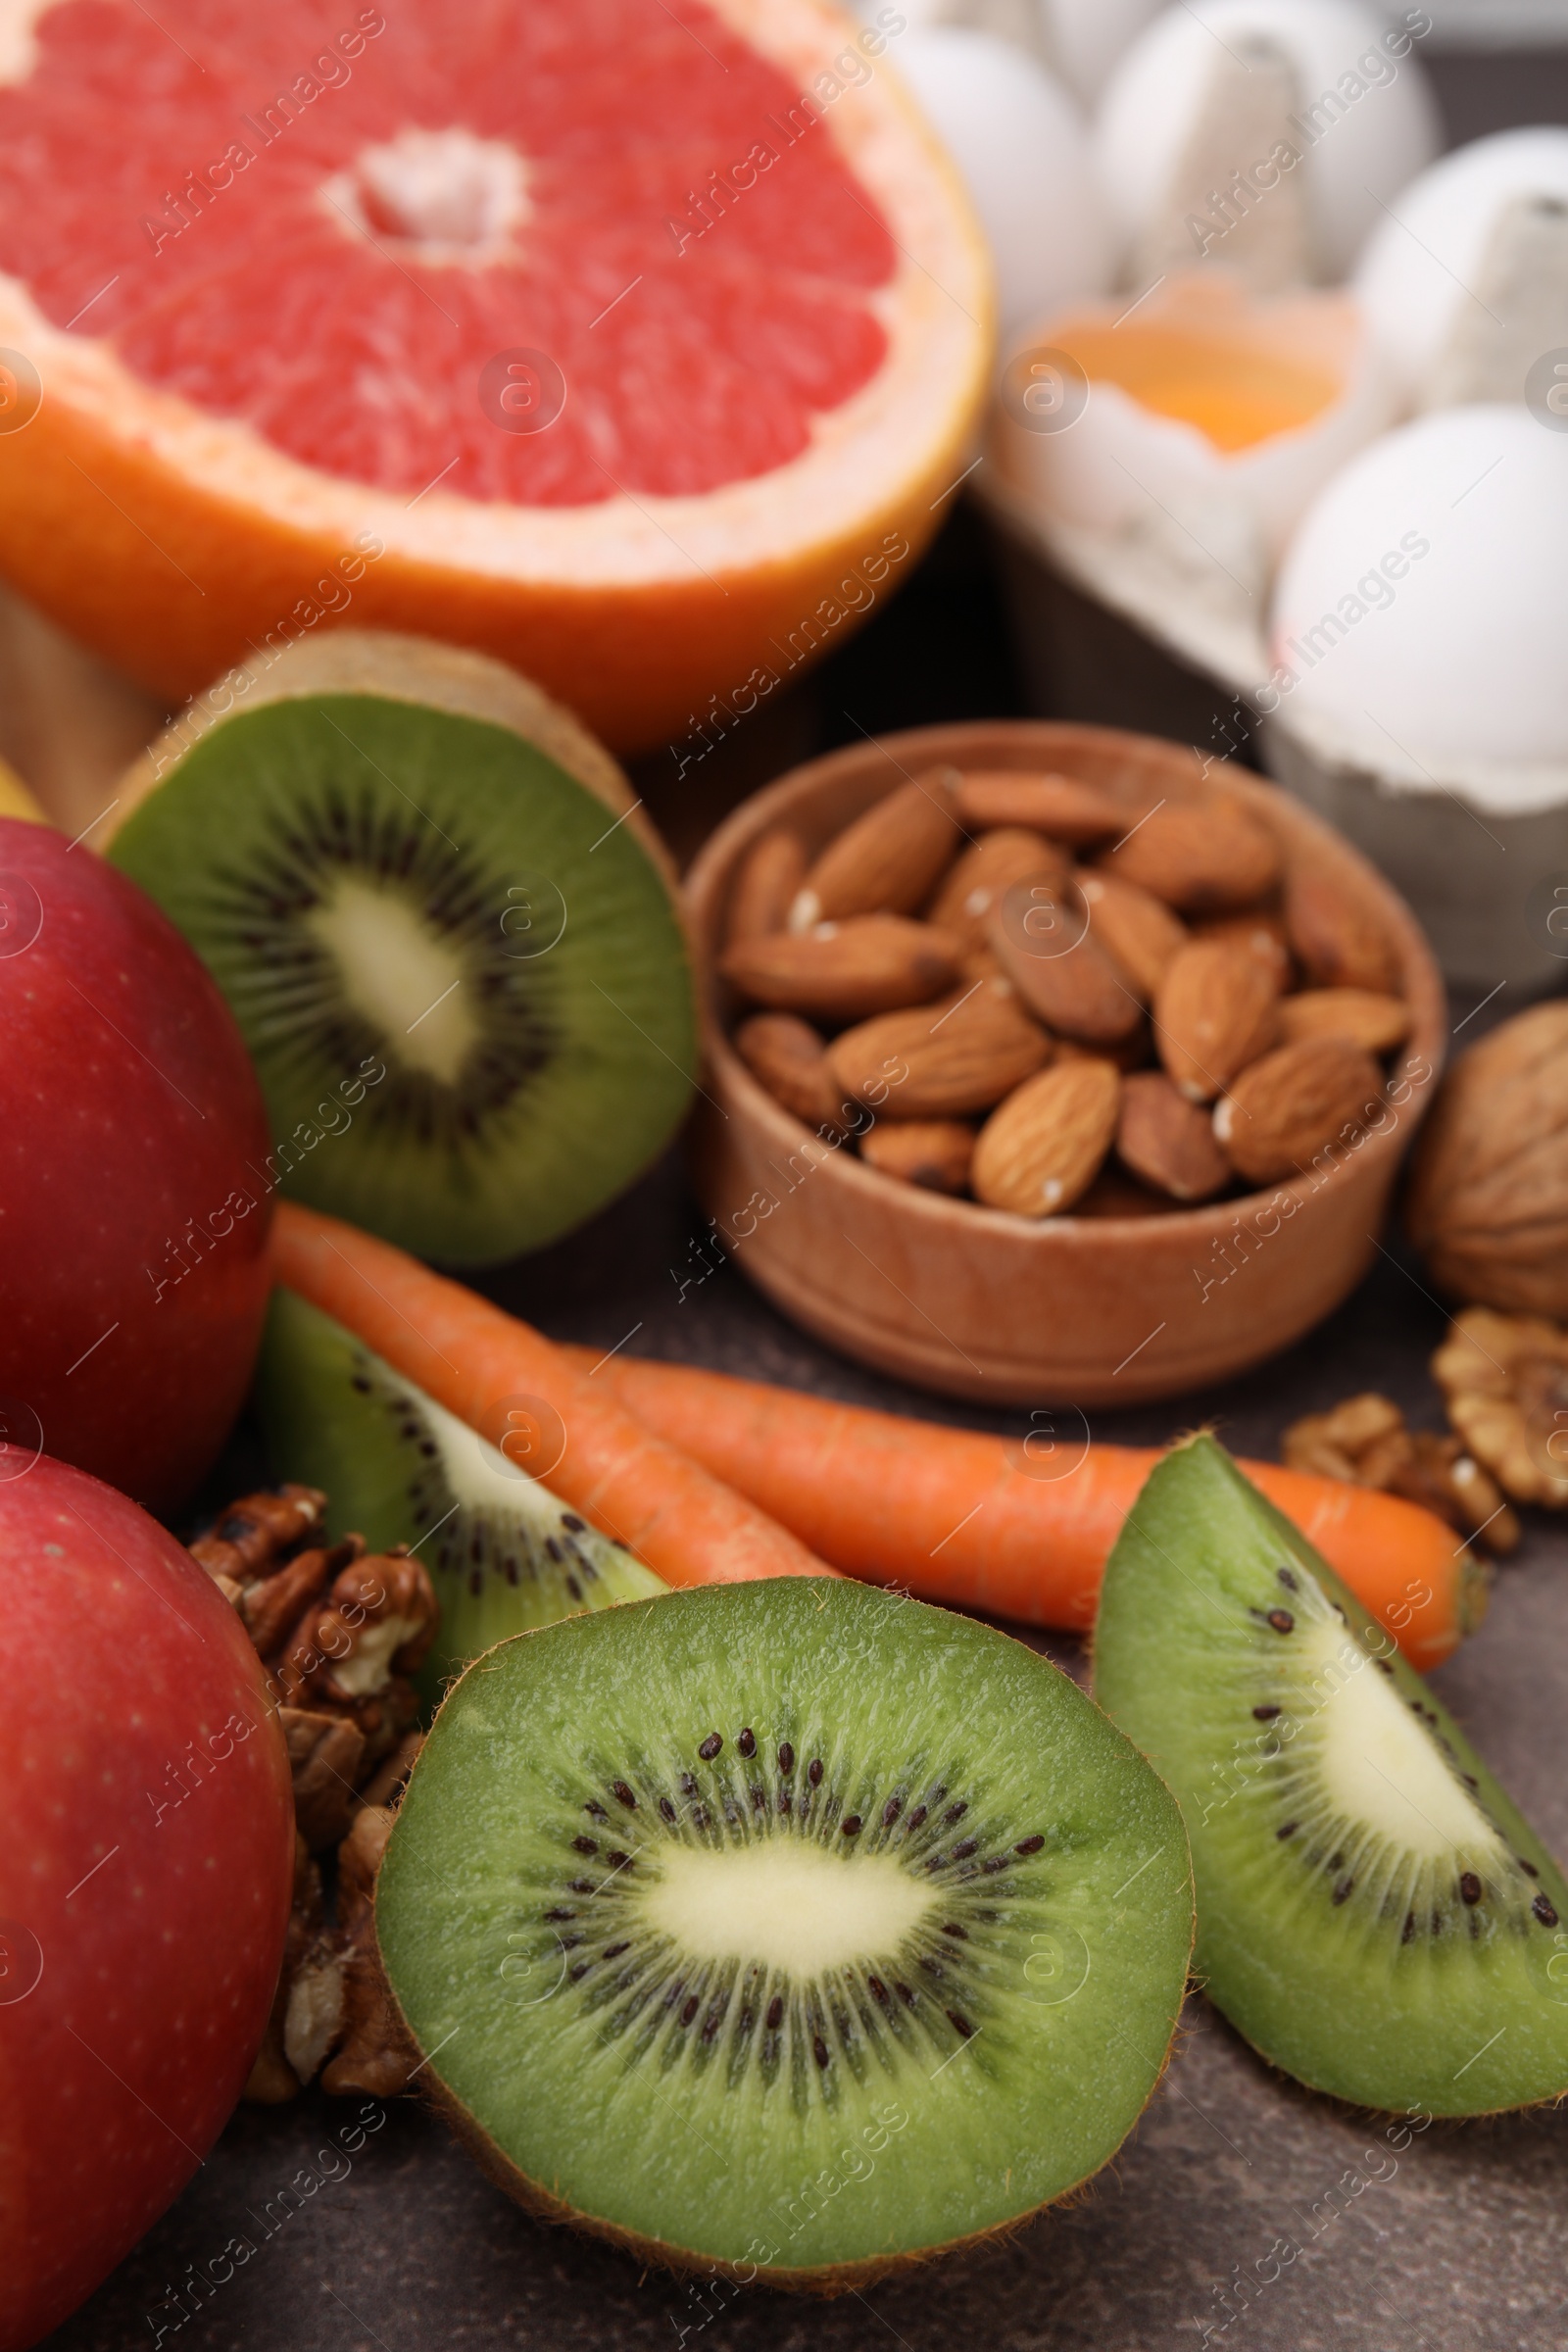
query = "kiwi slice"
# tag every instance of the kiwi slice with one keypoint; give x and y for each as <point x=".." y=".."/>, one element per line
<point x="1373" y="1913"/>
<point x="447" y="933"/>
<point x="787" y="1928"/>
<point x="502" y="1552"/>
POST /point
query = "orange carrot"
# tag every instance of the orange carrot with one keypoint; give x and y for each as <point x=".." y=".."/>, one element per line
<point x="1020" y="1528"/>
<point x="510" y="1383"/>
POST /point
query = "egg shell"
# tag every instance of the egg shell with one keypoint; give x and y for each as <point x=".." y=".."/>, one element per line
<point x="1380" y="121"/>
<point x="1017" y="140"/>
<point x="1418" y="275"/>
<point x="1122" y="466"/>
<point x="1450" y="535"/>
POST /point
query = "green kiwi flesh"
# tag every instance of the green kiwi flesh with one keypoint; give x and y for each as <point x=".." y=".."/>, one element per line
<point x="502" y="1552"/>
<point x="463" y="982"/>
<point x="1373" y="1913"/>
<point x="788" y="1927"/>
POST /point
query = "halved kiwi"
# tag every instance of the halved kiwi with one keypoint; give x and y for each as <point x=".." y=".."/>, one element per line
<point x="502" y="1552"/>
<point x="447" y="933"/>
<point x="785" y="1927"/>
<point x="1373" y="1913"/>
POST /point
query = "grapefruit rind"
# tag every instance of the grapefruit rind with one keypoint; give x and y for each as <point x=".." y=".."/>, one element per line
<point x="169" y="538"/>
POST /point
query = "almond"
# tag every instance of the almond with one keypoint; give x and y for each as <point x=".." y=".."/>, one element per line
<point x="1262" y="929"/>
<point x="844" y="971"/>
<point x="989" y="867"/>
<point x="1114" y="1194"/>
<point x="1056" y="804"/>
<point x="1168" y="1141"/>
<point x="888" y="861"/>
<point x="1043" y="942"/>
<point x="1217" y="1009"/>
<point x="956" y="1057"/>
<point x="934" y="1153"/>
<point x="1043" y="1146"/>
<point x="766" y="886"/>
<point x="1337" y="941"/>
<point x="786" y="1055"/>
<point x="1140" y="930"/>
<point x="1204" y="857"/>
<point x="1286" y="1107"/>
<point x="1127" y="1053"/>
<point x="1371" y="1021"/>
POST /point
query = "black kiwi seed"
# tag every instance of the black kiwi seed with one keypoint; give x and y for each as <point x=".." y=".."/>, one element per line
<point x="597" y="1810"/>
<point x="666" y="1808"/>
<point x="1545" y="1911"/>
<point x="819" y="2050"/>
<point x="570" y="1521"/>
<point x="1528" y="1868"/>
<point x="954" y="1813"/>
<point x="1265" y="1714"/>
<point x="908" y="1997"/>
<point x="1407" y="1931"/>
<point x="966" y="1847"/>
<point x="916" y="1818"/>
<point x="1469" y="1886"/>
<point x="618" y="1861"/>
<point x="879" y="1992"/>
<point x="850" y="1826"/>
<point x="1029" y="1846"/>
<point x="626" y="1796"/>
<point x="891" y="1811"/>
<point x="747" y="1744"/>
<point x="786" y="1756"/>
<point x="1282" y="1621"/>
<point x="813" y="1771"/>
<point x="688" y="1785"/>
<point x="1286" y="1580"/>
<point x="952" y="1928"/>
<point x="1343" y="1889"/>
<point x="586" y="1846"/>
<point x="775" y="2013"/>
<point x="957" y="2019"/>
<point x="1288" y="1831"/>
<point x="711" y="1746"/>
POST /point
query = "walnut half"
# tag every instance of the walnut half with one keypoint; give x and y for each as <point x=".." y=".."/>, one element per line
<point x="1505" y="1378"/>
<point x="1366" y="1442"/>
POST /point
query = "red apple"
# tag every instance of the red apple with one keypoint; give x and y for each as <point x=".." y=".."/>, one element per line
<point x="134" y="1192"/>
<point x="146" y="1866"/>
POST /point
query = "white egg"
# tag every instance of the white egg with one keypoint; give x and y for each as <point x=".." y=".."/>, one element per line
<point x="1084" y="38"/>
<point x="1016" y="138"/>
<point x="1291" y="377"/>
<point x="1262" y="134"/>
<point x="1078" y="41"/>
<point x="1419" y="611"/>
<point x="1466" y="277"/>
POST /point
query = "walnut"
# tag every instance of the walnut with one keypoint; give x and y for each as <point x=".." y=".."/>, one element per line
<point x="257" y="1533"/>
<point x="1366" y="1442"/>
<point x="273" y="2080"/>
<point x="339" y="1632"/>
<point x="375" y="2054"/>
<point x="1505" y="1378"/>
<point x="1487" y="1205"/>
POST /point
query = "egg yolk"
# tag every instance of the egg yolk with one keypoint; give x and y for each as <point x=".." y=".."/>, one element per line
<point x="1236" y="395"/>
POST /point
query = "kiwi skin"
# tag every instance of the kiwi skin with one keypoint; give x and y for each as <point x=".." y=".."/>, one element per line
<point x="822" y="2280"/>
<point x="1200" y="1553"/>
<point x="398" y="669"/>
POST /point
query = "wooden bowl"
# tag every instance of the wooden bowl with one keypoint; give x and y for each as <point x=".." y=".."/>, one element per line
<point x="1072" y="1309"/>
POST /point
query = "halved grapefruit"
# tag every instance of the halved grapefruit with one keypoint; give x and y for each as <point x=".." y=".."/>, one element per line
<point x="636" y="341"/>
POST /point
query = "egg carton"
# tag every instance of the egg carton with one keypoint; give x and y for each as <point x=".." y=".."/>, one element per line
<point x="1161" y="639"/>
